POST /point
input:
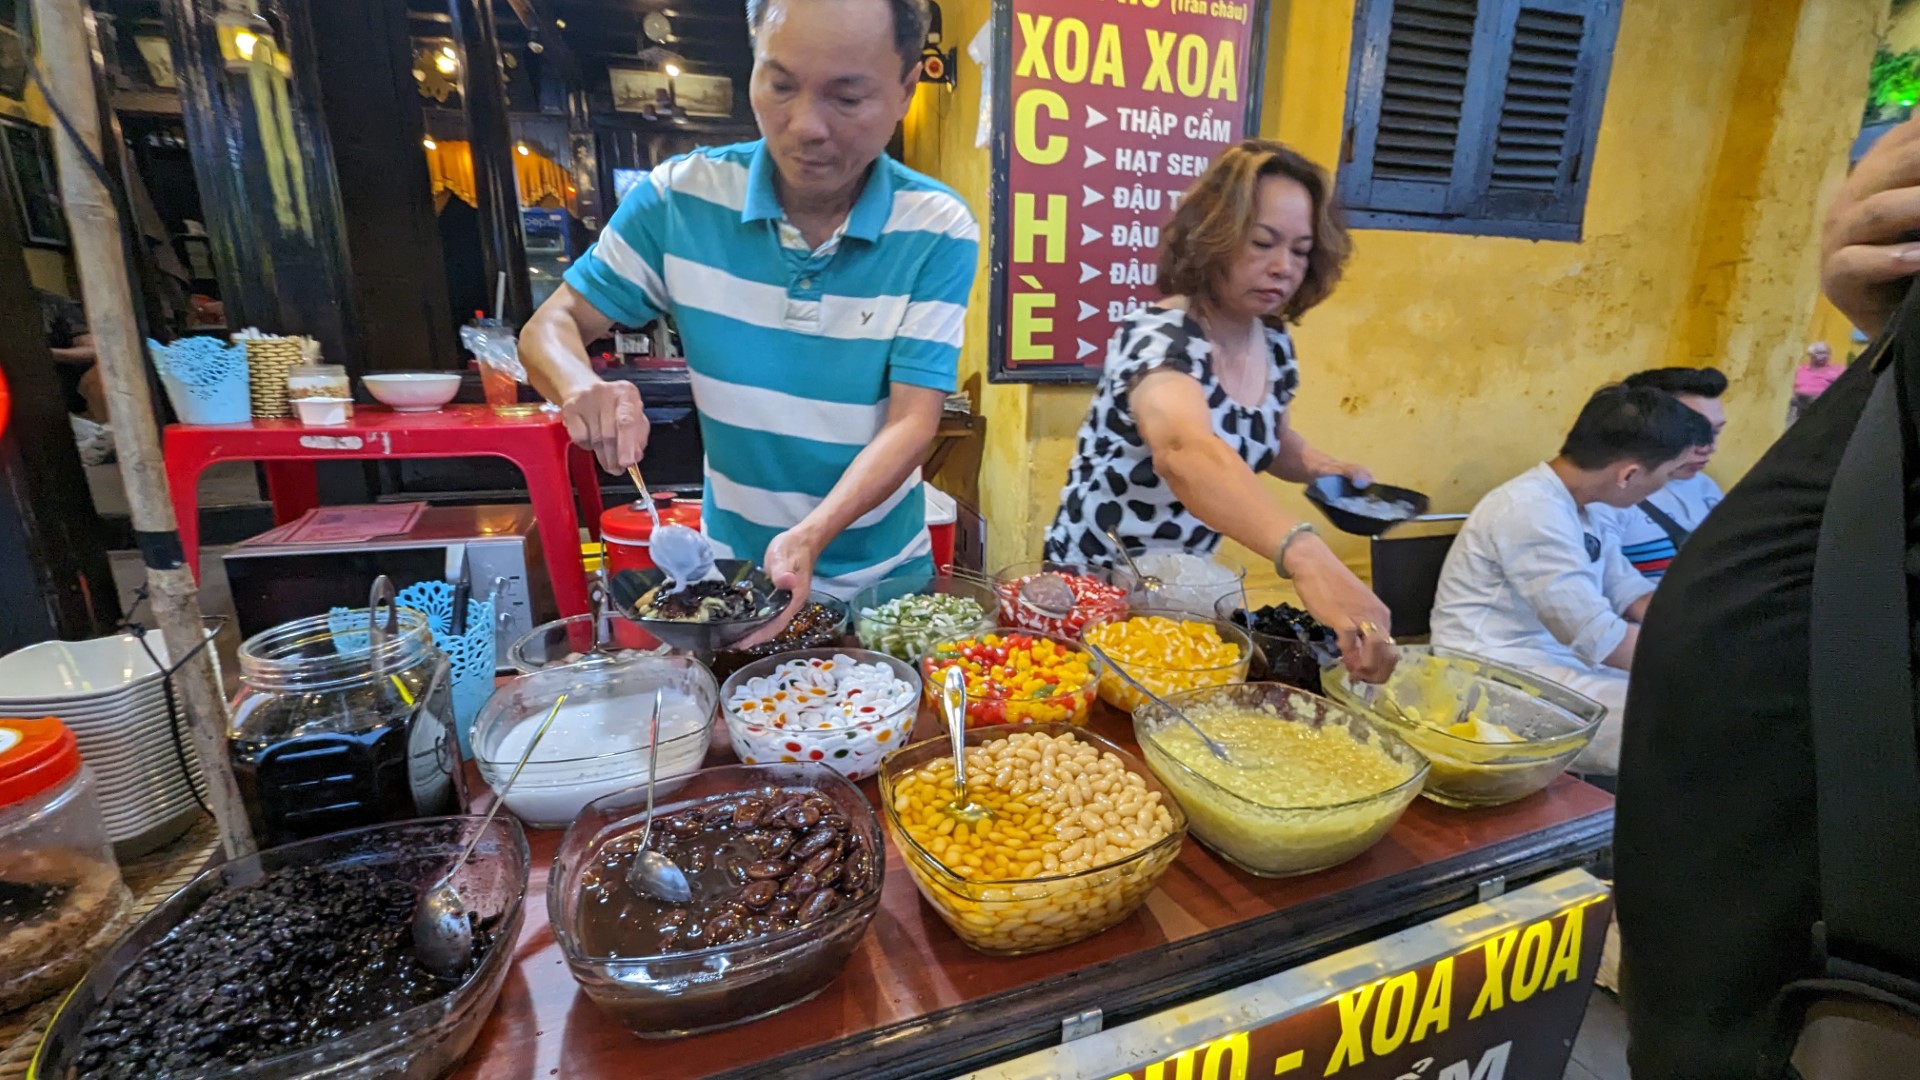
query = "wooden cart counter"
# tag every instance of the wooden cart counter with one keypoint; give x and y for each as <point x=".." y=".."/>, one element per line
<point x="914" y="1001"/>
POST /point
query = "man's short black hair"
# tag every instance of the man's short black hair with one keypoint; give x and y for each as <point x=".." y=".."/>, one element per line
<point x="1703" y="382"/>
<point x="910" y="18"/>
<point x="1633" y="423"/>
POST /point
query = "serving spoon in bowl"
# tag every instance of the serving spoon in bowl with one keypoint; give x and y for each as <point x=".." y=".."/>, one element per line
<point x="442" y="926"/>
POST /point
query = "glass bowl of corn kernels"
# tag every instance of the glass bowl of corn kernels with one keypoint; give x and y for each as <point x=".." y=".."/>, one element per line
<point x="1169" y="652"/>
<point x="1080" y="832"/>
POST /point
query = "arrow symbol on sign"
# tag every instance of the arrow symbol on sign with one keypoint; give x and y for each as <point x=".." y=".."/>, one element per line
<point x="1088" y="196"/>
<point x="1087" y="311"/>
<point x="1083" y="349"/>
<point x="1095" y="117"/>
<point x="1087" y="273"/>
<point x="1094" y="157"/>
<point x="1089" y="234"/>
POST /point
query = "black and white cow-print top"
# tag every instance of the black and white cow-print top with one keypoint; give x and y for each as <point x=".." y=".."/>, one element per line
<point x="1111" y="483"/>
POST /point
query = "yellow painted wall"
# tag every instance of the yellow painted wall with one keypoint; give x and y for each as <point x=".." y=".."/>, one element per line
<point x="1450" y="363"/>
<point x="1903" y="31"/>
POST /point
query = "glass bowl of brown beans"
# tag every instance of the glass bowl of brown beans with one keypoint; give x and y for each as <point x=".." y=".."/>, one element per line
<point x="1081" y="832"/>
<point x="786" y="865"/>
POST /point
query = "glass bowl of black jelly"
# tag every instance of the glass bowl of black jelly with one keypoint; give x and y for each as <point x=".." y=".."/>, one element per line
<point x="1294" y="646"/>
<point x="296" y="962"/>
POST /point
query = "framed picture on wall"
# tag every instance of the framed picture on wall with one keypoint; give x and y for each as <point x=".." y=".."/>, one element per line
<point x="26" y="150"/>
<point x="635" y="89"/>
<point x="704" y="95"/>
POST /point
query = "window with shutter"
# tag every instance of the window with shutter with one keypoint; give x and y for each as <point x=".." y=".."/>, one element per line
<point x="1475" y="116"/>
<point x="1423" y="89"/>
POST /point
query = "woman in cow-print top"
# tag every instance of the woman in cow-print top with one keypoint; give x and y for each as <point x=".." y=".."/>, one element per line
<point x="1192" y="403"/>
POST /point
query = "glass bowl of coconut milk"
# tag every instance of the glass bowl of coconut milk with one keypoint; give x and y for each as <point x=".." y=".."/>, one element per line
<point x="599" y="740"/>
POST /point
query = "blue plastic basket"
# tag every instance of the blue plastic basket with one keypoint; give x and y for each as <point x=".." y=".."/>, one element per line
<point x="470" y="655"/>
<point x="206" y="379"/>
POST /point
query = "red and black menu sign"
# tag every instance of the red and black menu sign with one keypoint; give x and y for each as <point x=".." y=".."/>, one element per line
<point x="1105" y="112"/>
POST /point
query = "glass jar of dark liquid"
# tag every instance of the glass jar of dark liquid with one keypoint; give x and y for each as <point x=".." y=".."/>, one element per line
<point x="336" y="729"/>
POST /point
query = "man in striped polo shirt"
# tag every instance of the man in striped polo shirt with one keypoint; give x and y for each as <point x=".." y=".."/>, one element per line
<point x="820" y="290"/>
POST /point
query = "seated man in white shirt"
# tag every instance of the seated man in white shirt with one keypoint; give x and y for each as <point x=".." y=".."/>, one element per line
<point x="1534" y="584"/>
<point x="1653" y="531"/>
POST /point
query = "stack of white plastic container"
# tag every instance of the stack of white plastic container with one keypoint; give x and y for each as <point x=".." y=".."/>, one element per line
<point x="113" y="697"/>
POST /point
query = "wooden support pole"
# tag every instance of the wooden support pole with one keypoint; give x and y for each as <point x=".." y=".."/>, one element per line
<point x="67" y="66"/>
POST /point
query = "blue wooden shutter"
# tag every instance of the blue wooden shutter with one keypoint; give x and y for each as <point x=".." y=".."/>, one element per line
<point x="1415" y="105"/>
<point x="1534" y="157"/>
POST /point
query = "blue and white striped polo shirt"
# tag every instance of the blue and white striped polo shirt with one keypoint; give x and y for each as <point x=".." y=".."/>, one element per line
<point x="791" y="351"/>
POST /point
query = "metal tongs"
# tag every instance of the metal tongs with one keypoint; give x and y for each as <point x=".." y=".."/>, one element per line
<point x="378" y="635"/>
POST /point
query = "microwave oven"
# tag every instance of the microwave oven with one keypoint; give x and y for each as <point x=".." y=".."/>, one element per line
<point x="275" y="583"/>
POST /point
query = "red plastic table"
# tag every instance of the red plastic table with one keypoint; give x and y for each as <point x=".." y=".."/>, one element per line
<point x="289" y="451"/>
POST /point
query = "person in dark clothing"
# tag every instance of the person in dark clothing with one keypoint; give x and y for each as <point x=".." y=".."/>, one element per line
<point x="468" y="290"/>
<point x="71" y="344"/>
<point x="1715" y="845"/>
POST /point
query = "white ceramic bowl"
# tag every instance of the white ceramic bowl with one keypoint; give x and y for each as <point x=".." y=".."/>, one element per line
<point x="105" y="710"/>
<point x="75" y="672"/>
<point x="413" y="391"/>
<point x="323" y="411"/>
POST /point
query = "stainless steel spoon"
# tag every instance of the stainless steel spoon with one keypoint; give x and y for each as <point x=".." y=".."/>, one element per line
<point x="1049" y="595"/>
<point x="442" y="928"/>
<point x="1219" y="750"/>
<point x="681" y="553"/>
<point x="1148" y="582"/>
<point x="651" y="873"/>
<point x="953" y="705"/>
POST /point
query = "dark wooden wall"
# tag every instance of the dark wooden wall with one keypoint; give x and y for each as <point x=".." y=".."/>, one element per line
<point x="55" y="581"/>
<point x="373" y="116"/>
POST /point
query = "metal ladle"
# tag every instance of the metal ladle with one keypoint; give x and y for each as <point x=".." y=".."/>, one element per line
<point x="1046" y="594"/>
<point x="1049" y="595"/>
<point x="682" y="553"/>
<point x="1148" y="582"/>
<point x="1219" y="750"/>
<point x="953" y="705"/>
<point x="1474" y="697"/>
<point x="651" y="873"/>
<point x="442" y="928"/>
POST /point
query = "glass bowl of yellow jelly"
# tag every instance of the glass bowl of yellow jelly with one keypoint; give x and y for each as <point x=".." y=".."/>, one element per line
<point x="1520" y="732"/>
<point x="1308" y="783"/>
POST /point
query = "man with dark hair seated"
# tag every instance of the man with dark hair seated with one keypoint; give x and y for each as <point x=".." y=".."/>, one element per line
<point x="1534" y="583"/>
<point x="1653" y="531"/>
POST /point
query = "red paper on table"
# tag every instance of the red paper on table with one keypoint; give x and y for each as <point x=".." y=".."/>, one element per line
<point x="351" y="524"/>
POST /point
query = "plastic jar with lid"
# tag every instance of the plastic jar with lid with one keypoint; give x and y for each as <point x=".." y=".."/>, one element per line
<point x="318" y="381"/>
<point x="62" y="903"/>
<point x="332" y="731"/>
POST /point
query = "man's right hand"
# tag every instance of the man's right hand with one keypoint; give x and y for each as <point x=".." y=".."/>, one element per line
<point x="608" y="419"/>
<point x="1870" y="246"/>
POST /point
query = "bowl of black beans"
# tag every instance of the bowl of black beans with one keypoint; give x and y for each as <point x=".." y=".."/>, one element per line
<point x="298" y="962"/>
<point x="785" y="862"/>
<point x="820" y="624"/>
<point x="1293" y="646"/>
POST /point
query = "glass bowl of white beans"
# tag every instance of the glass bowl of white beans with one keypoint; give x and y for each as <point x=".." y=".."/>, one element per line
<point x="1310" y="785"/>
<point x="1081" y="832"/>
